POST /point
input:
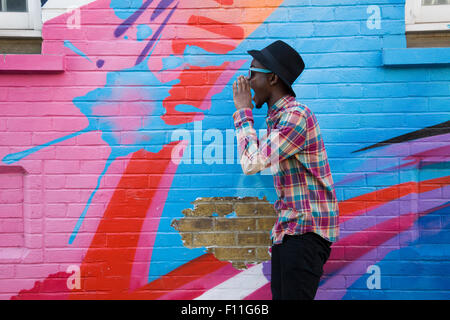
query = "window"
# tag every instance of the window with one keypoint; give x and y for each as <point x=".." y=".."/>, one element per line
<point x="427" y="15"/>
<point x="11" y="206"/>
<point x="427" y="23"/>
<point x="20" y="18"/>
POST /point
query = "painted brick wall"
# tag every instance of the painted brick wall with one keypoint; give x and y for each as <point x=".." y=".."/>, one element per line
<point x="119" y="175"/>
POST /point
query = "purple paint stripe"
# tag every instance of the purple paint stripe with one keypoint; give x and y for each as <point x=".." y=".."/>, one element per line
<point x="155" y="36"/>
<point x="162" y="6"/>
<point x="411" y="203"/>
<point x="334" y="287"/>
<point x="414" y="146"/>
<point x="124" y="26"/>
<point x="406" y="149"/>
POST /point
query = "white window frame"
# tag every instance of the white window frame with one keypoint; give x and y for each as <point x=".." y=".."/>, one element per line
<point x="426" y="18"/>
<point x="22" y="24"/>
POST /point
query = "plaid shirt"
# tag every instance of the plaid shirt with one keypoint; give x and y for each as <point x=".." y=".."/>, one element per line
<point x="294" y="149"/>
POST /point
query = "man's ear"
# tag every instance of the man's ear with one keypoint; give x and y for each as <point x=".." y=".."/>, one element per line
<point x="273" y="79"/>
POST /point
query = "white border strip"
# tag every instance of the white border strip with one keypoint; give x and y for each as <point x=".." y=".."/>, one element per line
<point x="55" y="8"/>
<point x="239" y="286"/>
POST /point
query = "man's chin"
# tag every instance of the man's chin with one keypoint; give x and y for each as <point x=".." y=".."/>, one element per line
<point x="258" y="105"/>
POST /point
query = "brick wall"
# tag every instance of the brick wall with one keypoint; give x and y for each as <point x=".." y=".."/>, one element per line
<point x="242" y="238"/>
<point x="120" y="167"/>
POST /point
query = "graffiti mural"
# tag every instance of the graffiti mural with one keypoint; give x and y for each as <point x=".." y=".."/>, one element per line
<point x="130" y="160"/>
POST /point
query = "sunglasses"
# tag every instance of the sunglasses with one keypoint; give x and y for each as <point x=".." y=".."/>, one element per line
<point x="252" y="69"/>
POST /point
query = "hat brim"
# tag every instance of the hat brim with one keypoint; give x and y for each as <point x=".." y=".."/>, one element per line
<point x="258" y="55"/>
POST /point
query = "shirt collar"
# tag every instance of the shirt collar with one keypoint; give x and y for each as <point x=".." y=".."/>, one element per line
<point x="279" y="105"/>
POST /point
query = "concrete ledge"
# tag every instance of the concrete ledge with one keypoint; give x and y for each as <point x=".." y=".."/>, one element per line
<point x="19" y="63"/>
<point x="416" y="56"/>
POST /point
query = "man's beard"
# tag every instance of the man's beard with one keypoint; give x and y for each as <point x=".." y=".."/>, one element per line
<point x="257" y="102"/>
<point x="257" y="105"/>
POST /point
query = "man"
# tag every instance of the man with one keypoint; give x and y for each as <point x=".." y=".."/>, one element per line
<point x="307" y="207"/>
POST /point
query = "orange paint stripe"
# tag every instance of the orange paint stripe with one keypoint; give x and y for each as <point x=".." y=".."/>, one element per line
<point x="193" y="270"/>
<point x="185" y="92"/>
<point x="219" y="47"/>
<point x="107" y="265"/>
<point x="225" y="29"/>
<point x="224" y="2"/>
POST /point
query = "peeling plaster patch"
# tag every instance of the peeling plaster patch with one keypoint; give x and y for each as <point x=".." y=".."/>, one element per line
<point x="233" y="229"/>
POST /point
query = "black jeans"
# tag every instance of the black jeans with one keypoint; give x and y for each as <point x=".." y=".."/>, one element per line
<point x="297" y="265"/>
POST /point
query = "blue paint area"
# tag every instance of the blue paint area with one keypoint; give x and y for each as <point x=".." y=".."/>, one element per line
<point x="195" y="56"/>
<point x="43" y="2"/>
<point x="331" y="87"/>
<point x="231" y="215"/>
<point x="101" y="108"/>
<point x="172" y="62"/>
<point x="124" y="9"/>
<point x="227" y="181"/>
<point x="143" y="32"/>
<point x="72" y="47"/>
<point x="409" y="56"/>
<point x="186" y="108"/>
<point x="155" y="37"/>
<point x="420" y="271"/>
<point x="130" y="20"/>
<point x="205" y="180"/>
<point x="357" y="101"/>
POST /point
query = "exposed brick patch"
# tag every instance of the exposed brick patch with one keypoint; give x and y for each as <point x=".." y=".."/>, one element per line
<point x="241" y="239"/>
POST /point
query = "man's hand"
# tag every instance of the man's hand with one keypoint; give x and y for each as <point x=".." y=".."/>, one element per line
<point x="242" y="95"/>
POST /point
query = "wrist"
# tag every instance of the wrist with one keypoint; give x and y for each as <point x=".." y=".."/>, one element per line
<point x="240" y="107"/>
<point x="242" y="115"/>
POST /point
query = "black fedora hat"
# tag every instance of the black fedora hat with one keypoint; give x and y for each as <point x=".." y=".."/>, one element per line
<point x="281" y="59"/>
